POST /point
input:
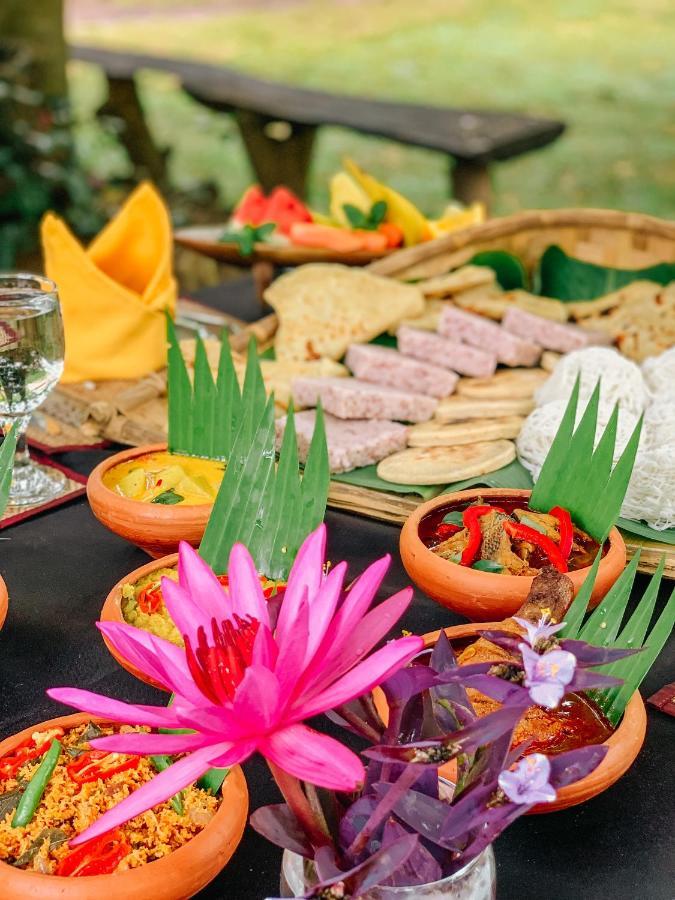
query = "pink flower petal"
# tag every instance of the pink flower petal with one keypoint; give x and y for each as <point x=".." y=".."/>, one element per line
<point x="136" y="742"/>
<point x="314" y="757"/>
<point x="363" y="677"/>
<point x="332" y="660"/>
<point x="322" y="607"/>
<point x="116" y="710"/>
<point x="245" y="590"/>
<point x="292" y="649"/>
<point x="265" y="652"/>
<point x="165" y="785"/>
<point x="257" y="701"/>
<point x="306" y="576"/>
<point x="188" y="615"/>
<point x="357" y="602"/>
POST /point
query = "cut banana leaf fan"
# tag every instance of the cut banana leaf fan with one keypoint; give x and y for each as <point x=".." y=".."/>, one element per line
<point x="603" y="628"/>
<point x="580" y="476"/>
<point x="7" y="466"/>
<point x="205" y="416"/>
<point x="267" y="507"/>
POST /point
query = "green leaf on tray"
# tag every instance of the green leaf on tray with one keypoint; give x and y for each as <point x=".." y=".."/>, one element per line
<point x="581" y="479"/>
<point x="641" y="529"/>
<point x="247" y="237"/>
<point x="513" y="475"/>
<point x="508" y="269"/>
<point x="7" y="452"/>
<point x="565" y="278"/>
<point x="268" y="508"/>
<point x="367" y="477"/>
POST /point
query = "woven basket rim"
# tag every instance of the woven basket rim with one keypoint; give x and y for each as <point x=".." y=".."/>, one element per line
<point x="528" y="220"/>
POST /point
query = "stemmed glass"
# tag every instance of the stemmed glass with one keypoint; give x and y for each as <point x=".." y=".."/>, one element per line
<point x="31" y="363"/>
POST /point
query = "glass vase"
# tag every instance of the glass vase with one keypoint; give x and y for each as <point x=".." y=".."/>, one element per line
<point x="476" y="881"/>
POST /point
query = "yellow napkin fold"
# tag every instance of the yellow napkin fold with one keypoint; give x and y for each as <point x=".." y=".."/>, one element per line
<point x="114" y="294"/>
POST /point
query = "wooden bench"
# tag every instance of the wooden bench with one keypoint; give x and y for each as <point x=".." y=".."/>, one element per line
<point x="278" y="122"/>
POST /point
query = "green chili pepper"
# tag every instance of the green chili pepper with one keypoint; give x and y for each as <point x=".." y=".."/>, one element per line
<point x="30" y="800"/>
<point x="161" y="763"/>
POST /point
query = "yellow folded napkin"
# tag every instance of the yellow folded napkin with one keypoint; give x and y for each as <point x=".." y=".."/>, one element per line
<point x="114" y="294"/>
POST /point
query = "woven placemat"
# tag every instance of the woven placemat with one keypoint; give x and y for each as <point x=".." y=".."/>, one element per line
<point x="73" y="487"/>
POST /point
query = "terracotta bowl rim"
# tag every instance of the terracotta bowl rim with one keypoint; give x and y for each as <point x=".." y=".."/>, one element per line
<point x="410" y="533"/>
<point x="100" y="494"/>
<point x="635" y="716"/>
<point x="167" y="863"/>
<point x="111" y="611"/>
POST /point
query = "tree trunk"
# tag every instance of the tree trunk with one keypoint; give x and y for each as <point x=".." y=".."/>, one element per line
<point x="35" y="28"/>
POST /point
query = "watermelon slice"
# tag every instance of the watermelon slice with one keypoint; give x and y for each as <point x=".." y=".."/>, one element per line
<point x="285" y="209"/>
<point x="252" y="208"/>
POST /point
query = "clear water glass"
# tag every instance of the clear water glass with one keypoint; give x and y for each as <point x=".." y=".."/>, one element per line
<point x="31" y="363"/>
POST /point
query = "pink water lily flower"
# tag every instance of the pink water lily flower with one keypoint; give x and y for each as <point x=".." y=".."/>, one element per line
<point x="244" y="684"/>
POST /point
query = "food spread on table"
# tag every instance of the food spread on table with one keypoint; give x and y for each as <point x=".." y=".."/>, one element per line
<point x="166" y="479"/>
<point x="54" y="785"/>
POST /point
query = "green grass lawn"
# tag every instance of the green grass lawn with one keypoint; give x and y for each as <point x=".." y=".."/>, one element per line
<point x="606" y="68"/>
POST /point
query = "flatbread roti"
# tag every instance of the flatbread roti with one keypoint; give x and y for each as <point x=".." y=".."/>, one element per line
<point x="435" y="434"/>
<point x="549" y="360"/>
<point x="459" y="409"/>
<point x="444" y="465"/>
<point x="323" y="308"/>
<point x="464" y="279"/>
<point x="508" y="383"/>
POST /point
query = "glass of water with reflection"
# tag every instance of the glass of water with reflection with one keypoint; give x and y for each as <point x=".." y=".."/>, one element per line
<point x="31" y="363"/>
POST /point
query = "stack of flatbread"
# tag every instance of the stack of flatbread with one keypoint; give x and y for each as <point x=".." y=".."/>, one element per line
<point x="471" y="433"/>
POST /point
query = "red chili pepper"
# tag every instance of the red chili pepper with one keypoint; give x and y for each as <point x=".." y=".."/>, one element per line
<point x="91" y="766"/>
<point x="26" y="751"/>
<point x="566" y="530"/>
<point x="150" y="599"/>
<point x="446" y="530"/>
<point x="470" y="517"/>
<point x="100" y="856"/>
<point x="545" y="544"/>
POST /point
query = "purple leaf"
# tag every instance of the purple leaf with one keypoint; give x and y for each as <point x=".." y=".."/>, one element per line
<point x="419" y="868"/>
<point x="354" y="820"/>
<point x="493" y="822"/>
<point x="278" y="824"/>
<point x="583" y="680"/>
<point x="566" y="768"/>
<point x="461" y="673"/>
<point x="424" y="814"/>
<point x="399" y="689"/>
<point x="450" y="701"/>
<point x="381" y="812"/>
<point x="503" y="691"/>
<point x="508" y="641"/>
<point x="588" y="655"/>
<point x="326" y="863"/>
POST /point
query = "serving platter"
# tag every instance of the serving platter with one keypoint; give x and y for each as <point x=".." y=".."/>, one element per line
<point x="204" y="239"/>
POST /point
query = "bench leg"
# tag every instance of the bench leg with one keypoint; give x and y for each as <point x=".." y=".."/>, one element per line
<point x="280" y="152"/>
<point x="470" y="182"/>
<point x="124" y="103"/>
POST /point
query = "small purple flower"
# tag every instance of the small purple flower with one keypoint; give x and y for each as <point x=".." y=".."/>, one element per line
<point x="528" y="781"/>
<point x="542" y="630"/>
<point x="547" y="675"/>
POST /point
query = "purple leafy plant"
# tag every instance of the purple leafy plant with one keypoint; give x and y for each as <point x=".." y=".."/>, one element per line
<point x="409" y="826"/>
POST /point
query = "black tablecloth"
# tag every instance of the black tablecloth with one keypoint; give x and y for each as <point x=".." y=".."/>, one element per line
<point x="59" y="568"/>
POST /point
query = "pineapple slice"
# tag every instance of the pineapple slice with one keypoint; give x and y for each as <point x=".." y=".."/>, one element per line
<point x="133" y="484"/>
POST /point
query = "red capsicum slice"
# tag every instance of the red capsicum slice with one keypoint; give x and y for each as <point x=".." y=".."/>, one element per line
<point x="95" y="764"/>
<point x="566" y="530"/>
<point x="100" y="856"/>
<point x="150" y="598"/>
<point x="26" y="751"/>
<point x="470" y="518"/>
<point x="549" y="548"/>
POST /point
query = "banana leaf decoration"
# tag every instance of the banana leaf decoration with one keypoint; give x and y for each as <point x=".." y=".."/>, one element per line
<point x="581" y="478"/>
<point x="267" y="507"/>
<point x="7" y="466"/>
<point x="205" y="416"/>
<point x="603" y="628"/>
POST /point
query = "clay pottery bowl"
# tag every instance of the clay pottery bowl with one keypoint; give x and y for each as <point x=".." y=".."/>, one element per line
<point x="624" y="743"/>
<point x="153" y="527"/>
<point x="4" y="601"/>
<point x="487" y="596"/>
<point x="112" y="610"/>
<point x="177" y="876"/>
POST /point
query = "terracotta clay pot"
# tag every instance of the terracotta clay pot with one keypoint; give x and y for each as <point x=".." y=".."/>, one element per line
<point x="486" y="596"/>
<point x="4" y="601"/>
<point x="175" y="877"/>
<point x="153" y="527"/>
<point x="624" y="744"/>
<point x="112" y="610"/>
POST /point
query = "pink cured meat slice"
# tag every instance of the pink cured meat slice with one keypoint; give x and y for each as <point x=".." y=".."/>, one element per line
<point x="382" y="365"/>
<point x="351" y="443"/>
<point x="481" y="332"/>
<point x="351" y="398"/>
<point x="551" y="335"/>
<point x="433" y="348"/>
